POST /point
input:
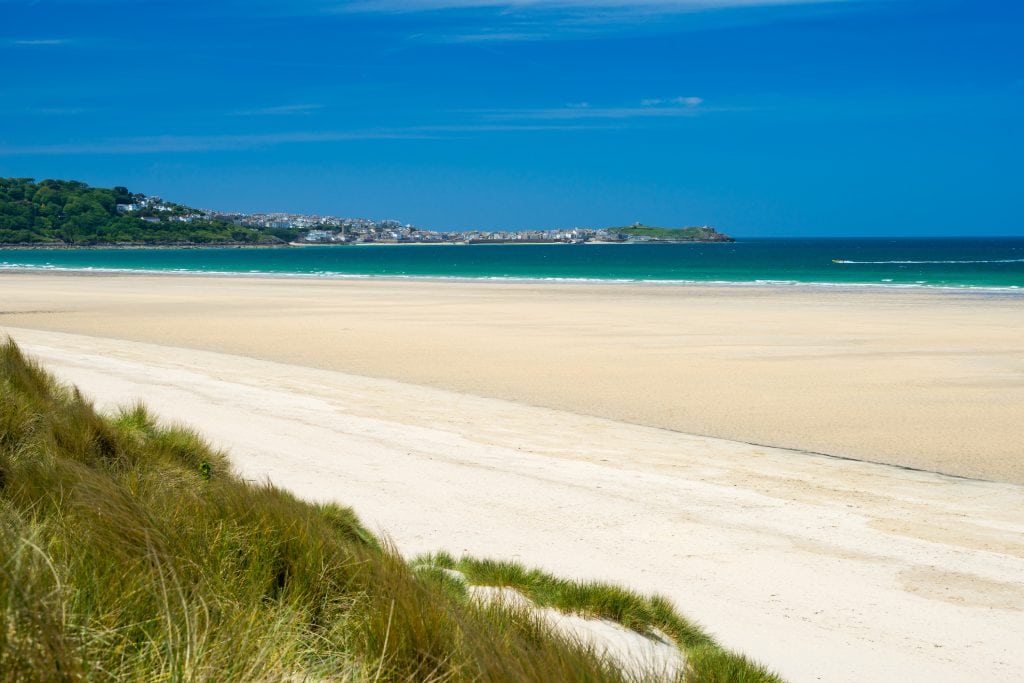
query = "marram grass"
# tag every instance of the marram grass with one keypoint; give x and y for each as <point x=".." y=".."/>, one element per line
<point x="130" y="551"/>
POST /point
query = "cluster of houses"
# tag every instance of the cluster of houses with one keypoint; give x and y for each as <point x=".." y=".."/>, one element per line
<point x="154" y="203"/>
<point x="311" y="222"/>
<point x="148" y="205"/>
<point x="408" y="234"/>
<point x="316" y="229"/>
<point x="526" y="236"/>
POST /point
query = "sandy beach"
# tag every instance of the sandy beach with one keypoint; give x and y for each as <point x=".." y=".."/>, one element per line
<point x="928" y="380"/>
<point x="826" y="569"/>
<point x="555" y="425"/>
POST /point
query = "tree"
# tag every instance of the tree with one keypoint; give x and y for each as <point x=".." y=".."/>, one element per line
<point x="74" y="213"/>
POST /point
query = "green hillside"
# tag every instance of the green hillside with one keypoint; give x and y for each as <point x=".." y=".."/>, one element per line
<point x="71" y="213"/>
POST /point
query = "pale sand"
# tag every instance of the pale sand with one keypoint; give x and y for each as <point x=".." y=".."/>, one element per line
<point x="931" y="380"/>
<point x="826" y="569"/>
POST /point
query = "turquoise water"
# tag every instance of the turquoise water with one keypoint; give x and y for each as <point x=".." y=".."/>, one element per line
<point x="987" y="263"/>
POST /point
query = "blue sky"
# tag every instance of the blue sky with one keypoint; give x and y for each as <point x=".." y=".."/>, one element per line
<point x="761" y="117"/>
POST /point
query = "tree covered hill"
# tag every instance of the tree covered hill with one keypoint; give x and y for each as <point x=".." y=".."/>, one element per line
<point x="73" y="213"/>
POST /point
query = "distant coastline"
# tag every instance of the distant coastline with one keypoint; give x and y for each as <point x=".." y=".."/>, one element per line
<point x="300" y="245"/>
<point x="60" y="214"/>
<point x="718" y="238"/>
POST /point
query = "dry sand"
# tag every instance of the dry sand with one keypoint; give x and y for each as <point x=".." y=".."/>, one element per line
<point x="826" y="569"/>
<point x="647" y="657"/>
<point x="930" y="380"/>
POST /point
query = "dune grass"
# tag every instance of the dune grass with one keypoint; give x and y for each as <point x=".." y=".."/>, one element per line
<point x="130" y="551"/>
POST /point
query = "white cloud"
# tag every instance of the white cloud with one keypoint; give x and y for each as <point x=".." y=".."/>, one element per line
<point x="40" y="41"/>
<point x="672" y="101"/>
<point x="507" y="21"/>
<point x="279" y="110"/>
<point x="648" y="5"/>
<point x="674" y="107"/>
<point x="189" y="143"/>
<point x="213" y="143"/>
<point x="483" y="37"/>
<point x="510" y="21"/>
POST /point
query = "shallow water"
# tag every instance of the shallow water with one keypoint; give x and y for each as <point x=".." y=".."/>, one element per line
<point x="986" y="263"/>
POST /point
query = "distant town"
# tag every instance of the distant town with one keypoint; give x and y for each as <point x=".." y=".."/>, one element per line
<point x="318" y="229"/>
<point x="69" y="214"/>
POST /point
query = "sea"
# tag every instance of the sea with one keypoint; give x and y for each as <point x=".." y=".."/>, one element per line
<point x="984" y="263"/>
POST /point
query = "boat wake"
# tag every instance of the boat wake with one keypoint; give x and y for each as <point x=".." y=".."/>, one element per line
<point x="1008" y="260"/>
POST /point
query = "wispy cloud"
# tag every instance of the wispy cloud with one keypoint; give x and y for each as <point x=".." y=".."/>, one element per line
<point x="279" y="110"/>
<point x="39" y="42"/>
<point x="483" y="37"/>
<point x="645" y="5"/>
<point x="575" y="113"/>
<point x="192" y="143"/>
<point x="676" y="101"/>
<point x="59" y="111"/>
<point x="508" y="21"/>
<point x="572" y="117"/>
<point x="672" y="107"/>
<point x="214" y="143"/>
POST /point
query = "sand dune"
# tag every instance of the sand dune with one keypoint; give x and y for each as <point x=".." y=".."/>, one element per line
<point x="826" y="569"/>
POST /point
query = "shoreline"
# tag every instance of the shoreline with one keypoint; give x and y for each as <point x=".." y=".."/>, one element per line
<point x="290" y="276"/>
<point x="806" y="563"/>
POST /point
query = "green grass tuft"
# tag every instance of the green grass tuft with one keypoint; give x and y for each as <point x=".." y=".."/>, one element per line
<point x="712" y="665"/>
